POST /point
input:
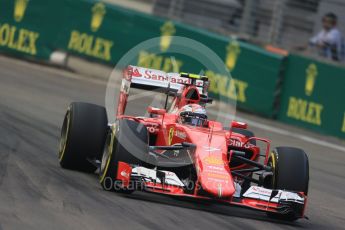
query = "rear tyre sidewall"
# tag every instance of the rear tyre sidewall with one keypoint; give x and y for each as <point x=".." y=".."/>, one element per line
<point x="247" y="133"/>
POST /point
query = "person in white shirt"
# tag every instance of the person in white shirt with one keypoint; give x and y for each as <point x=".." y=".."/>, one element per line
<point x="329" y="42"/>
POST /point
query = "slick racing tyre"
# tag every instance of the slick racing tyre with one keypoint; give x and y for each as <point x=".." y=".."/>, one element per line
<point x="82" y="136"/>
<point x="290" y="172"/>
<point x="127" y="142"/>
<point x="246" y="133"/>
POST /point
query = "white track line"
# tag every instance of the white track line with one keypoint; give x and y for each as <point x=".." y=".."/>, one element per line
<point x="250" y="122"/>
<point x="258" y="125"/>
<point x="286" y="133"/>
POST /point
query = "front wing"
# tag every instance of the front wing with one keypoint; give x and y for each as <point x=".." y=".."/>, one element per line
<point x="259" y="198"/>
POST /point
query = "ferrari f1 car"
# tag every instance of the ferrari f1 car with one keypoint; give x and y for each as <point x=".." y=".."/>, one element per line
<point x="179" y="151"/>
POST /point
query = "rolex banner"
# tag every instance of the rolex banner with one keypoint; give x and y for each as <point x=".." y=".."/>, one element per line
<point x="29" y="27"/>
<point x="313" y="94"/>
<point x="104" y="33"/>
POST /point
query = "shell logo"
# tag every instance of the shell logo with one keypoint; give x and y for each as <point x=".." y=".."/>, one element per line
<point x="212" y="160"/>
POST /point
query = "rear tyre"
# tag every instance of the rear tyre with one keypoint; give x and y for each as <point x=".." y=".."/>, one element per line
<point x="82" y="136"/>
<point x="127" y="142"/>
<point x="246" y="133"/>
<point x="290" y="172"/>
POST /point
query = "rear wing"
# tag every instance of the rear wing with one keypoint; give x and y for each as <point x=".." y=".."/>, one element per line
<point x="134" y="76"/>
<point x="144" y="77"/>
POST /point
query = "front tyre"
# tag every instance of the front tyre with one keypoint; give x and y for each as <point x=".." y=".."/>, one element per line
<point x="82" y="136"/>
<point x="290" y="172"/>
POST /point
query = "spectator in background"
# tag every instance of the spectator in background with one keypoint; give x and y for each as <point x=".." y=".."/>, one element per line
<point x="329" y="42"/>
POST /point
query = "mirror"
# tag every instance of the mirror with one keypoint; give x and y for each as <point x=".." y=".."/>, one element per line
<point x="238" y="124"/>
<point x="153" y="110"/>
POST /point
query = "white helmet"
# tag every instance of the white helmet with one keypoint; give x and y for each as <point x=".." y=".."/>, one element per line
<point x="193" y="114"/>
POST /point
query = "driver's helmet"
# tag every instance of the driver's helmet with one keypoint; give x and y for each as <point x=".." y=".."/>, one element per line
<point x="193" y="114"/>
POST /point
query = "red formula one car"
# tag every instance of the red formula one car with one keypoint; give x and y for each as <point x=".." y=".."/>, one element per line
<point x="179" y="150"/>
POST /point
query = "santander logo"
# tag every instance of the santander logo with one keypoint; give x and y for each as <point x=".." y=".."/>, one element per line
<point x="136" y="73"/>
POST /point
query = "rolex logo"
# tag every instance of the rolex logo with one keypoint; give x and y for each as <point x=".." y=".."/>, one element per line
<point x="19" y="9"/>
<point x="167" y="31"/>
<point x="98" y="12"/>
<point x="311" y="73"/>
<point x="232" y="52"/>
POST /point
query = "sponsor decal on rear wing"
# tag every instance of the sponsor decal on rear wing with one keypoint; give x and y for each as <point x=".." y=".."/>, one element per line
<point x="156" y="78"/>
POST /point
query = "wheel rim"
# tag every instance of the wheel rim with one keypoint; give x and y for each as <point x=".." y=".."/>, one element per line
<point x="64" y="135"/>
<point x="272" y="163"/>
<point x="106" y="157"/>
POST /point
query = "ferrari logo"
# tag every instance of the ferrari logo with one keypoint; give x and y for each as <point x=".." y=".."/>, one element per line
<point x="167" y="31"/>
<point x="98" y="12"/>
<point x="171" y="135"/>
<point x="19" y="9"/>
<point x="233" y="51"/>
<point x="311" y="74"/>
